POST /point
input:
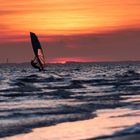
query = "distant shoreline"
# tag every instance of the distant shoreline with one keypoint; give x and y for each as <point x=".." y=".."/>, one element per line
<point x="71" y="62"/>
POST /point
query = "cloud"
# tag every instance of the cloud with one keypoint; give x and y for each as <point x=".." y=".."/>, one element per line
<point x="7" y="12"/>
<point x="69" y="16"/>
<point x="119" y="45"/>
<point x="109" y="46"/>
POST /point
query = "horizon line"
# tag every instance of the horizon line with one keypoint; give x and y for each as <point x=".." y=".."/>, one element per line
<point x="75" y="62"/>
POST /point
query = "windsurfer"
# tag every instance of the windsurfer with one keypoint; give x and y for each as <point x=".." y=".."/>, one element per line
<point x="34" y="63"/>
<point x="39" y="61"/>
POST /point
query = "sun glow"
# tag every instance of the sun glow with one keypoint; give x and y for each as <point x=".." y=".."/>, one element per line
<point x="68" y="17"/>
<point x="69" y="59"/>
<point x="71" y="28"/>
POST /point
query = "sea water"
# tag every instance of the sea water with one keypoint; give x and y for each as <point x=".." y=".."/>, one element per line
<point x="68" y="93"/>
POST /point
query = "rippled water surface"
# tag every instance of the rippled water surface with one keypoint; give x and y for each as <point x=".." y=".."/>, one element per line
<point x="63" y="93"/>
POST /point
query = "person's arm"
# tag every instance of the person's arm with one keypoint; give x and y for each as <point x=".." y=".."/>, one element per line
<point x="35" y="60"/>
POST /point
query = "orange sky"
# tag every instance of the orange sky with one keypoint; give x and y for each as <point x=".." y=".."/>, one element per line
<point x="65" y="17"/>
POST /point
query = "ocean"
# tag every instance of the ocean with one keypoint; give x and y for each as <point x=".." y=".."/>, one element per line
<point x="71" y="92"/>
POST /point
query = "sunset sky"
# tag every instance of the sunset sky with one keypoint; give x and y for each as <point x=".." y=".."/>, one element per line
<point x="71" y="30"/>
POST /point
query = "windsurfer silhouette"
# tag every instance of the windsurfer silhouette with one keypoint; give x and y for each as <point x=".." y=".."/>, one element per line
<point x="34" y="63"/>
<point x="39" y="60"/>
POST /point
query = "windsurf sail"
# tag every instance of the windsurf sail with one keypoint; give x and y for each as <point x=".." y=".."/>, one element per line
<point x="39" y="60"/>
